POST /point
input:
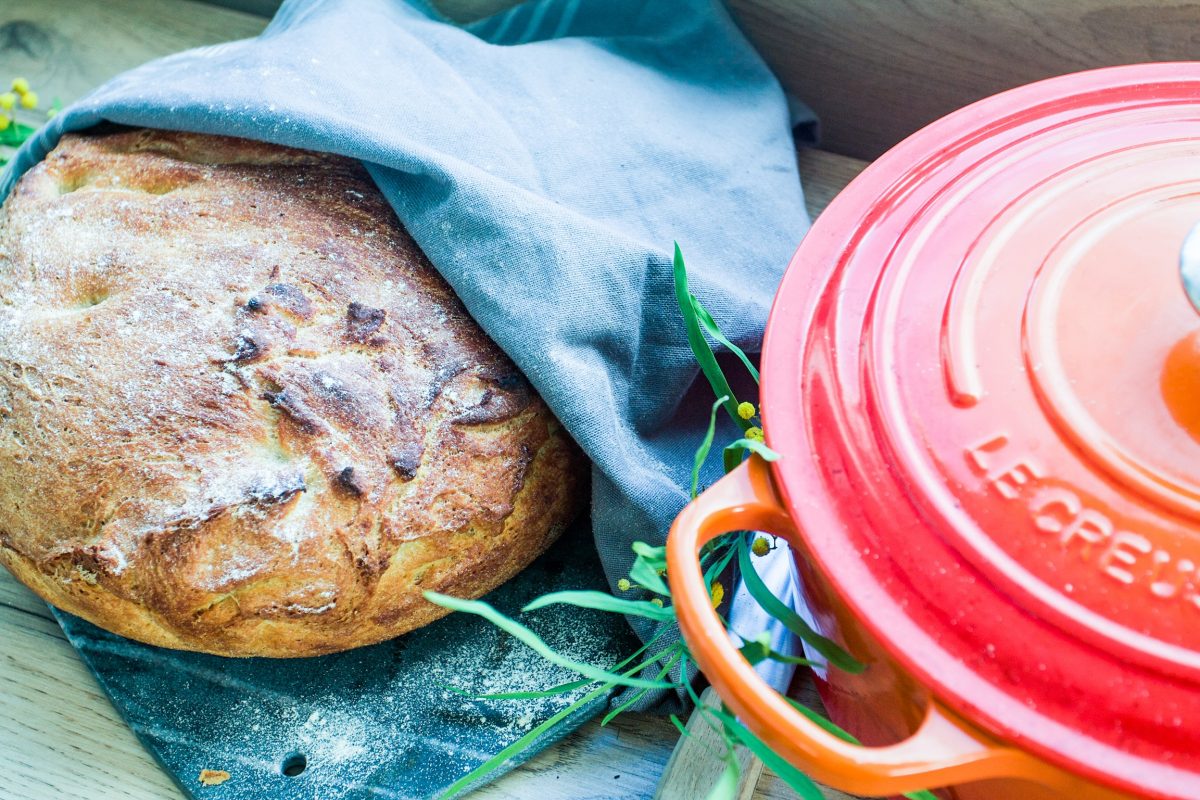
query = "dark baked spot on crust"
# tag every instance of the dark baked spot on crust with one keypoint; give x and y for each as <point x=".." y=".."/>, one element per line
<point x="251" y="346"/>
<point x="285" y="297"/>
<point x="363" y="322"/>
<point x="406" y="460"/>
<point x="350" y="481"/>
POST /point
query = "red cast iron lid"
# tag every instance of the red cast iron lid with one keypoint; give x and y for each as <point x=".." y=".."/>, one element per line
<point x="984" y="376"/>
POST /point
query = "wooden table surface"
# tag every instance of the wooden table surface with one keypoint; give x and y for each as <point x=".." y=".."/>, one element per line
<point x="60" y="738"/>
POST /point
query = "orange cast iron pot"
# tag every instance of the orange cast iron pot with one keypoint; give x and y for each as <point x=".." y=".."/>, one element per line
<point x="983" y="377"/>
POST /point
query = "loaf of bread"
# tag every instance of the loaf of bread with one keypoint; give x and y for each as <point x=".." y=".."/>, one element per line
<point x="240" y="413"/>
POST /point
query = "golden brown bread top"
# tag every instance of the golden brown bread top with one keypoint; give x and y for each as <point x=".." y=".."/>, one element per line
<point x="238" y="407"/>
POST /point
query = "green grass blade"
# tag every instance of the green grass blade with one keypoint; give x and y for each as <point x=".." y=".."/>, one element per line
<point x="714" y="571"/>
<point x="497" y="761"/>
<point x="712" y="329"/>
<point x="551" y="692"/>
<point x="705" y="445"/>
<point x="604" y="602"/>
<point x="734" y="452"/>
<point x="846" y="736"/>
<point x="700" y="347"/>
<point x="800" y="783"/>
<point x="823" y="721"/>
<point x="535" y="643"/>
<point x="726" y="786"/>
<point x="731" y="458"/>
<point x="779" y="610"/>
<point x="754" y="446"/>
<point x="611" y="715"/>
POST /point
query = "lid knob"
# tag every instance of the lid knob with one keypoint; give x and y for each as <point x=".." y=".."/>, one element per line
<point x="1189" y="266"/>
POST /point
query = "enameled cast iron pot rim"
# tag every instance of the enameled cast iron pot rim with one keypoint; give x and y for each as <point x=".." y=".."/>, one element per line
<point x="947" y="749"/>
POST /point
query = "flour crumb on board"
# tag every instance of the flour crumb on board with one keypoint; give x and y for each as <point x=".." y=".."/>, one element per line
<point x="213" y="777"/>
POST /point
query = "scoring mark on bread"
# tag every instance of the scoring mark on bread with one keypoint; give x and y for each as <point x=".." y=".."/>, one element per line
<point x="295" y="409"/>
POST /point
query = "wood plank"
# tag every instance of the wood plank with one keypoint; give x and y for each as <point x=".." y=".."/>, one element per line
<point x="67" y="47"/>
<point x="877" y="71"/>
<point x="823" y="175"/>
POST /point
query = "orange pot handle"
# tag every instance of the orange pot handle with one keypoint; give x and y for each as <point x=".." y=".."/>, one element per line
<point x="943" y="751"/>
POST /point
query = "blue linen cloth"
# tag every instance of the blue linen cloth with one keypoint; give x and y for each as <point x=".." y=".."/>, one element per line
<point x="545" y="159"/>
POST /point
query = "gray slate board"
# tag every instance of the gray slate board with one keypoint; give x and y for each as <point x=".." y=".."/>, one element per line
<point x="370" y="723"/>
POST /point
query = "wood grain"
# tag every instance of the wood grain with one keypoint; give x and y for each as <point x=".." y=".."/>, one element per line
<point x="877" y="71"/>
<point x="694" y="769"/>
<point x="59" y="735"/>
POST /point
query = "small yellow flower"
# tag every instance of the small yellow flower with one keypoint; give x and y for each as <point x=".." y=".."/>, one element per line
<point x="657" y="601"/>
<point x="7" y="101"/>
<point x="755" y="433"/>
<point x="20" y="85"/>
<point x="760" y="547"/>
<point x="29" y="100"/>
<point x="746" y="410"/>
<point x="624" y="585"/>
<point x="4" y="122"/>
<point x="717" y="593"/>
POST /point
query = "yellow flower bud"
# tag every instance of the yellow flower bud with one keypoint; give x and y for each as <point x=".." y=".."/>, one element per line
<point x="20" y="85"/>
<point x="29" y="100"/>
<point x="7" y="101"/>
<point x="657" y="601"/>
<point x="4" y="122"/>
<point x="746" y="410"/>
<point x="624" y="585"/>
<point x="717" y="593"/>
<point x="760" y="547"/>
<point x="755" y="433"/>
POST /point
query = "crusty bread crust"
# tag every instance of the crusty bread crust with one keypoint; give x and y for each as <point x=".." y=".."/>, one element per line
<point x="240" y="413"/>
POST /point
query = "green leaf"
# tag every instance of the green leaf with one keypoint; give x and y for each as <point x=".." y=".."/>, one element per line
<point x="710" y="326"/>
<point x="645" y="575"/>
<point x="726" y="786"/>
<point x="552" y="692"/>
<point x="779" y="610"/>
<point x="801" y="784"/>
<point x="604" y="602"/>
<point x="755" y="651"/>
<point x="700" y="347"/>
<point x="535" y="643"/>
<point x="705" y="446"/>
<point x="656" y="556"/>
<point x="754" y="446"/>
